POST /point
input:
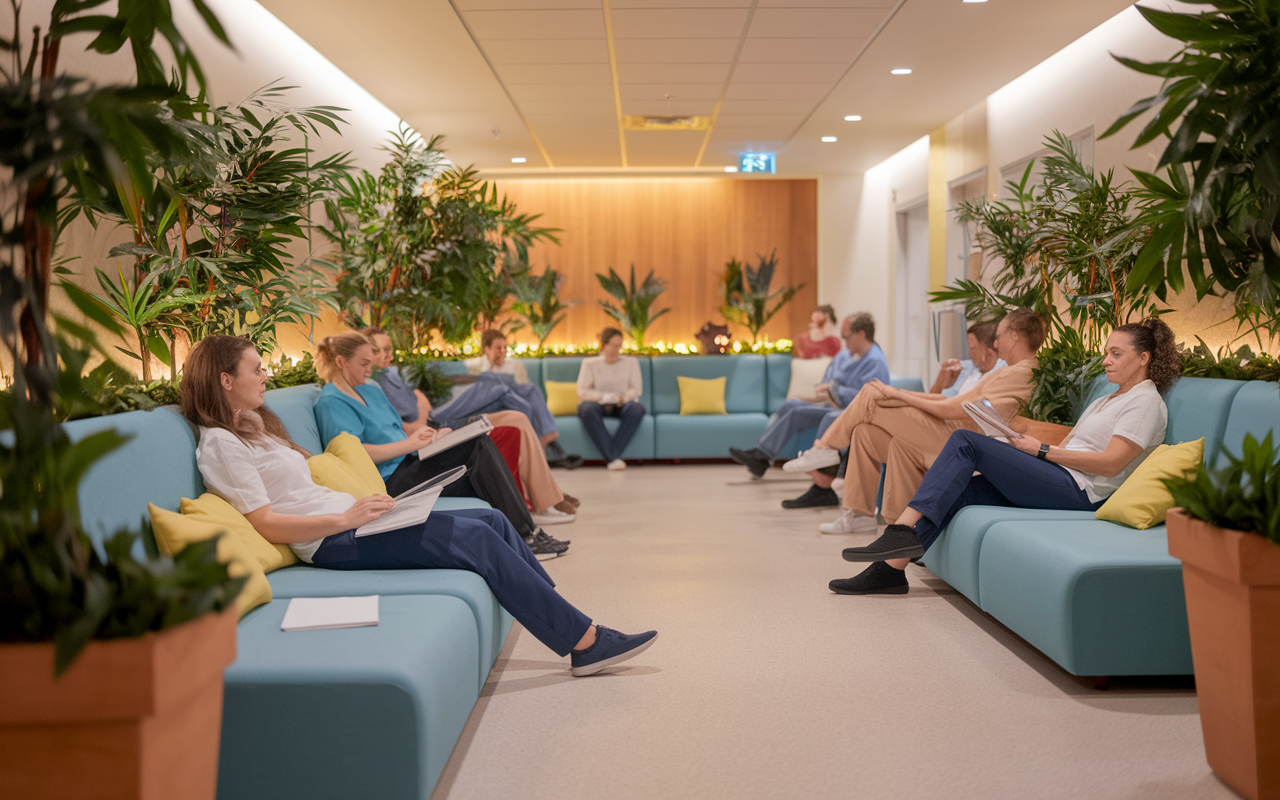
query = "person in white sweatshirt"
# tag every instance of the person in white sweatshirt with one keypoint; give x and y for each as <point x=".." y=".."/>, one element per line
<point x="609" y="385"/>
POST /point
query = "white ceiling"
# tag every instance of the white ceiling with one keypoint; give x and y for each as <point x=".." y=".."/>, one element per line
<point x="774" y="75"/>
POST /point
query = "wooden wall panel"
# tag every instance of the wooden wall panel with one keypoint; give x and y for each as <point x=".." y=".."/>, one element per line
<point x="683" y="228"/>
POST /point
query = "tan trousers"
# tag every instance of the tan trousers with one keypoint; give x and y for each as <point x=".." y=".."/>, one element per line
<point x="880" y="431"/>
<point x="540" y="488"/>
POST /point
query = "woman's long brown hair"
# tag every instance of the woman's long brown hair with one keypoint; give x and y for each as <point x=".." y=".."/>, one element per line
<point x="205" y="404"/>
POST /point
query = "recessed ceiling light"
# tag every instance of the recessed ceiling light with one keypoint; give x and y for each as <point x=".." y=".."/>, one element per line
<point x="853" y="118"/>
<point x="518" y="160"/>
<point x="828" y="138"/>
<point x="900" y="71"/>
<point x="973" y="1"/>
<point x="730" y="169"/>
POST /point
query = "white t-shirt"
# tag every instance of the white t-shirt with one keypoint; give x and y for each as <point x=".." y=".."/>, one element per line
<point x="267" y="473"/>
<point x="1138" y="415"/>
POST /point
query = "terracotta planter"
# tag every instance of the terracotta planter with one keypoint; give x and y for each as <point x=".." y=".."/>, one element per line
<point x="131" y="718"/>
<point x="1232" y="581"/>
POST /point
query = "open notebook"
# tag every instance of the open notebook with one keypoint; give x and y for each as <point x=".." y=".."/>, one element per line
<point x="992" y="424"/>
<point x="413" y="506"/>
<point x="466" y="433"/>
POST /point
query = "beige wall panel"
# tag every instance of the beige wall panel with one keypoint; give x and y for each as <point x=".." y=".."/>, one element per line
<point x="684" y="229"/>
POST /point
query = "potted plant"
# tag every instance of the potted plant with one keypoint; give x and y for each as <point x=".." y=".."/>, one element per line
<point x="747" y="299"/>
<point x="1226" y="531"/>
<point x="635" y="303"/>
<point x="111" y="666"/>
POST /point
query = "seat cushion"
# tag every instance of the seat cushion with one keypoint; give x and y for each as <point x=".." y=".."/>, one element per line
<point x="954" y="556"/>
<point x="351" y="712"/>
<point x="1199" y="407"/>
<point x="1255" y="409"/>
<point x="744" y="386"/>
<point x="708" y="436"/>
<point x="295" y="406"/>
<point x="491" y="621"/>
<point x="574" y="439"/>
<point x="1096" y="597"/>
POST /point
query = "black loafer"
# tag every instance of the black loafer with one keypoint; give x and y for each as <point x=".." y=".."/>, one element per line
<point x="754" y="460"/>
<point x="815" y="497"/>
<point x="897" y="541"/>
<point x="879" y="578"/>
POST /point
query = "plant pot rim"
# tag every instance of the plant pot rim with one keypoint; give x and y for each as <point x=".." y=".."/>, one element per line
<point x="1237" y="556"/>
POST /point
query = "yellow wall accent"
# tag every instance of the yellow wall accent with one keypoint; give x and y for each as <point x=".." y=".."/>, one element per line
<point x="937" y="208"/>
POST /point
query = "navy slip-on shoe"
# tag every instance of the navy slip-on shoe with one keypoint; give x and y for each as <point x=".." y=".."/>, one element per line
<point x="611" y="647"/>
<point x="897" y="541"/>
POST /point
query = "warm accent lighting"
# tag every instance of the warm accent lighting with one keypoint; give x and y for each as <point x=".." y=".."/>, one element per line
<point x="518" y="160"/>
<point x="828" y="138"/>
<point x="730" y="169"/>
<point x="973" y="1"/>
<point x="900" y="71"/>
<point x="853" y="118"/>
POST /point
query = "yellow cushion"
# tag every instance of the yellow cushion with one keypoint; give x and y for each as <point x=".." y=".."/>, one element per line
<point x="214" y="510"/>
<point x="175" y="531"/>
<point x="698" y="396"/>
<point x="345" y="466"/>
<point x="1142" y="499"/>
<point x="562" y="398"/>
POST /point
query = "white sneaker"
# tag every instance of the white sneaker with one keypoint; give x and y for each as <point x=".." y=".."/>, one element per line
<point x="552" y="516"/>
<point x="617" y="464"/>
<point x="814" y="458"/>
<point x="837" y="485"/>
<point x="849" y="522"/>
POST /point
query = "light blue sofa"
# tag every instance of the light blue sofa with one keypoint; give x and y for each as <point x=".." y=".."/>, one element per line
<point x="368" y="712"/>
<point x="1098" y="598"/>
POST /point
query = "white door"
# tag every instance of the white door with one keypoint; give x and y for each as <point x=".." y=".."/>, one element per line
<point x="911" y="318"/>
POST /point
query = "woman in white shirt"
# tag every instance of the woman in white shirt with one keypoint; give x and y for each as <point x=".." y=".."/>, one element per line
<point x="246" y="456"/>
<point x="609" y="385"/>
<point x="1107" y="444"/>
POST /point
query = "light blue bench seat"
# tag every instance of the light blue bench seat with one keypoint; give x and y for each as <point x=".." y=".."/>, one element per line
<point x="573" y="437"/>
<point x="351" y="712"/>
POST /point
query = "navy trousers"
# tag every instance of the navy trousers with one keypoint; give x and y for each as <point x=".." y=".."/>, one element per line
<point x="479" y="540"/>
<point x="592" y="415"/>
<point x="794" y="416"/>
<point x="495" y="391"/>
<point x="1010" y="478"/>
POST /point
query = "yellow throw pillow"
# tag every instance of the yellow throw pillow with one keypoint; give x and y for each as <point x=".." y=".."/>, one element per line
<point x="214" y="510"/>
<point x="175" y="531"/>
<point x="562" y="398"/>
<point x="1142" y="499"/>
<point x="698" y="396"/>
<point x="348" y="450"/>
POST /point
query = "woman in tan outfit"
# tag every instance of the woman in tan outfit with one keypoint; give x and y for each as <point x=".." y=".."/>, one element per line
<point x="906" y="430"/>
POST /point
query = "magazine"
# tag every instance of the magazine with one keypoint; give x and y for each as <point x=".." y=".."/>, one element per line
<point x="992" y="423"/>
<point x="412" y="506"/>
<point x="466" y="433"/>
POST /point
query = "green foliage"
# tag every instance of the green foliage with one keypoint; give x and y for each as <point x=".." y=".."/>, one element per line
<point x="1220" y="201"/>
<point x="1243" y="496"/>
<point x="420" y="373"/>
<point x="634" y="304"/>
<point x="1067" y="241"/>
<point x="422" y="244"/>
<point x="1066" y="371"/>
<point x="288" y="373"/>
<point x="1233" y="365"/>
<point x="746" y="295"/>
<point x="536" y="302"/>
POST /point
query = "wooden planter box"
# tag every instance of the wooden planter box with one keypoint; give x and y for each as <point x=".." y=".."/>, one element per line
<point x="1232" y="582"/>
<point x="131" y="718"/>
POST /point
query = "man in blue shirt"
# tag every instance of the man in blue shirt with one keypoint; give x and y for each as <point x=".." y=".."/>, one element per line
<point x="859" y="362"/>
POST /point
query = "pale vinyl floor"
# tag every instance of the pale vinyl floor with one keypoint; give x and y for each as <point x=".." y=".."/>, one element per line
<point x="763" y="684"/>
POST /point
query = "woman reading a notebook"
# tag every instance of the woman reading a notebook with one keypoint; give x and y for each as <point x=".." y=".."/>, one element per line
<point x="1109" y="442"/>
<point x="246" y="456"/>
<point x="350" y="404"/>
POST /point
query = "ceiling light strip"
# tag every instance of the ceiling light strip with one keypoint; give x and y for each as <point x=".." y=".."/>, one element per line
<point x="524" y="120"/>
<point x="733" y="67"/>
<point x="613" y="69"/>
<point x="884" y="23"/>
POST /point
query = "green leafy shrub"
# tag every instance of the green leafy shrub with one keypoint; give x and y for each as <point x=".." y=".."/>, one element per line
<point x="747" y="300"/>
<point x="1243" y="496"/>
<point x="288" y="373"/>
<point x="635" y="303"/>
<point x="428" y="378"/>
<point x="1237" y="365"/>
<point x="1065" y="372"/>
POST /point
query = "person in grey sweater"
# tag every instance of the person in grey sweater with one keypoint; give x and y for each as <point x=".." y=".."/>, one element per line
<point x="609" y="385"/>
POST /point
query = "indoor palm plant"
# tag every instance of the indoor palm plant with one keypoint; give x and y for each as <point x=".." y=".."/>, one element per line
<point x="1226" y="531"/>
<point x="536" y="302"/>
<point x="104" y="656"/>
<point x="747" y="299"/>
<point x="634" y="309"/>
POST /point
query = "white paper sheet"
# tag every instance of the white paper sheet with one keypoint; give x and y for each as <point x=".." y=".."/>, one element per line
<point x="318" y="613"/>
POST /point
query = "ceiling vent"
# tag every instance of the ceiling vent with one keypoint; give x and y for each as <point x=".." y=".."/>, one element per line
<point x="633" y="123"/>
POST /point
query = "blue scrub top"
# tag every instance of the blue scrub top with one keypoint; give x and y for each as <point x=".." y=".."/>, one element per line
<point x="373" y="422"/>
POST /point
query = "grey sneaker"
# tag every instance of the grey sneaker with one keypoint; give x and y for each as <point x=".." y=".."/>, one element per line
<point x="543" y="545"/>
<point x="849" y="522"/>
<point x="813" y="459"/>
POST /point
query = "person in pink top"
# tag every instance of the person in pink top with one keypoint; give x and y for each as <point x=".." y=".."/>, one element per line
<point x="822" y="338"/>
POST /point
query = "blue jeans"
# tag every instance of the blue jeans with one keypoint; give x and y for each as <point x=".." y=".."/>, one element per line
<point x="592" y="415"/>
<point x="479" y="540"/>
<point x="497" y="392"/>
<point x="793" y="417"/>
<point x="1010" y="478"/>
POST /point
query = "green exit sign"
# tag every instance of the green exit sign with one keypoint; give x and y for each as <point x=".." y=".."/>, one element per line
<point x="757" y="162"/>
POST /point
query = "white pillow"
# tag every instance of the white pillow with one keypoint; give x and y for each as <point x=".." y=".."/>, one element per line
<point x="805" y="374"/>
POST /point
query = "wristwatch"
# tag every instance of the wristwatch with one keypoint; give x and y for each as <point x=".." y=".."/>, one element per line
<point x="1044" y="452"/>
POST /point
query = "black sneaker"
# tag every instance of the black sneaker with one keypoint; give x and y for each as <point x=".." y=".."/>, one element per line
<point x="755" y="460"/>
<point x="879" y="578"/>
<point x="543" y="545"/>
<point x="570" y="461"/>
<point x="815" y="497"/>
<point x="897" y="541"/>
<point x="611" y="647"/>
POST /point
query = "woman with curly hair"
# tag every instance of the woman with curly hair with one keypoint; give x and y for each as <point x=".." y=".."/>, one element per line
<point x="1111" y="439"/>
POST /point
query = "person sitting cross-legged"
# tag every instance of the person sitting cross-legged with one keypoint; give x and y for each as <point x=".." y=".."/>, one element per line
<point x="610" y="385"/>
<point x="860" y="362"/>
<point x="1109" y="442"/>
<point x="246" y="456"/>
